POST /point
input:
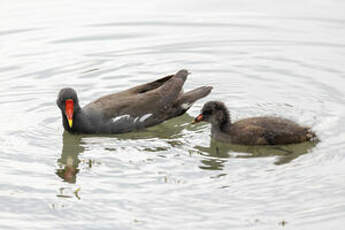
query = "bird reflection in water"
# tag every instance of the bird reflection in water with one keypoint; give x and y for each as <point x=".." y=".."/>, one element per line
<point x="69" y="161"/>
<point x="216" y="153"/>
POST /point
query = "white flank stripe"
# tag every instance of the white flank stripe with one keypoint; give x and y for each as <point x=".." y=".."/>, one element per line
<point x="146" y="116"/>
<point x="126" y="116"/>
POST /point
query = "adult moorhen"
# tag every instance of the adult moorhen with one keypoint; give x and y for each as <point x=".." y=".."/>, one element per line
<point x="252" y="131"/>
<point x="135" y="108"/>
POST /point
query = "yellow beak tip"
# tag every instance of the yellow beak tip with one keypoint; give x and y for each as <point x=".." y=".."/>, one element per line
<point x="70" y="123"/>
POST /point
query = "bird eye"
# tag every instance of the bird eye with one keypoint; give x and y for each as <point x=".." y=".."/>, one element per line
<point x="207" y="112"/>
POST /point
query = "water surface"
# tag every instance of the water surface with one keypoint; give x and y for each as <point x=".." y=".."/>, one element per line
<point x="282" y="58"/>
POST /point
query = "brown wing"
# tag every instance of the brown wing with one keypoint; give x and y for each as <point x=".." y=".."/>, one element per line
<point x="248" y="134"/>
<point x="143" y="99"/>
<point x="275" y="130"/>
<point x="149" y="86"/>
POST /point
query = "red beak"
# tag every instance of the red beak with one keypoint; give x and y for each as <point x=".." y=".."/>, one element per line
<point x="69" y="109"/>
<point x="198" y="119"/>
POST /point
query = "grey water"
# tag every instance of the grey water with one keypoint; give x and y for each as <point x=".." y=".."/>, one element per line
<point x="283" y="58"/>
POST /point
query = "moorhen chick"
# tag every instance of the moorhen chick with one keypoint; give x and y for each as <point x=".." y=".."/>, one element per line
<point x="252" y="131"/>
<point x="135" y="108"/>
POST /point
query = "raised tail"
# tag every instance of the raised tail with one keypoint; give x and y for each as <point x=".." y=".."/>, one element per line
<point x="186" y="100"/>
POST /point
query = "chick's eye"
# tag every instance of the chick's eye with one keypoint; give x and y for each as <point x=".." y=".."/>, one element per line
<point x="207" y="112"/>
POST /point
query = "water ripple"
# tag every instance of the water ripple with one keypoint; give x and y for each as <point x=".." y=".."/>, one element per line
<point x="260" y="63"/>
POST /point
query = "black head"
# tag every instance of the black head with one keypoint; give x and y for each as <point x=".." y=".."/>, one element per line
<point x="214" y="112"/>
<point x="68" y="103"/>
